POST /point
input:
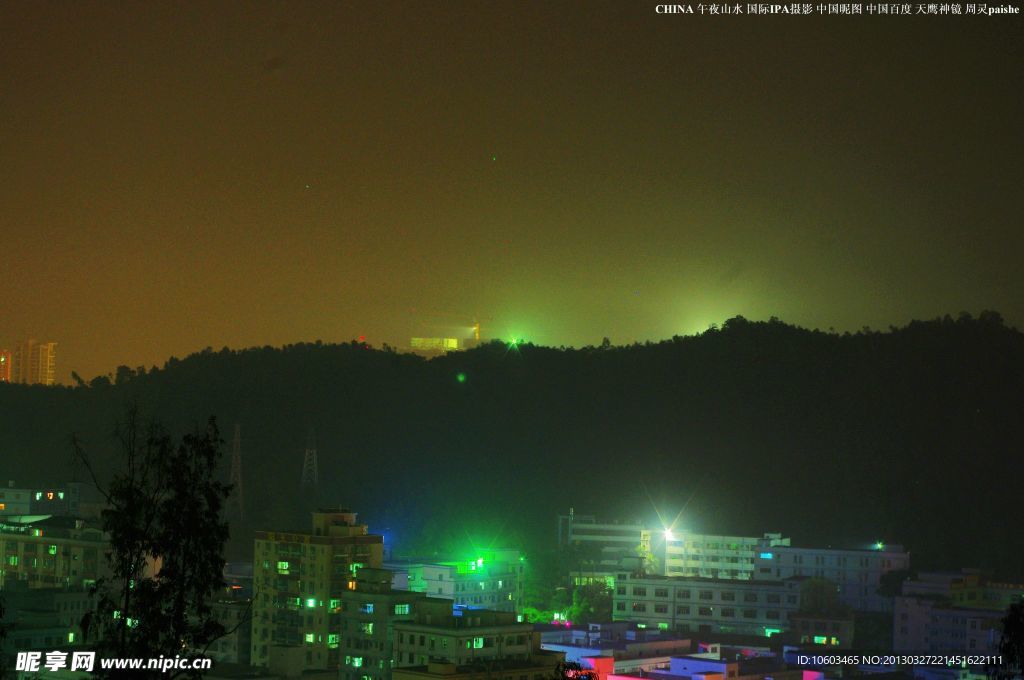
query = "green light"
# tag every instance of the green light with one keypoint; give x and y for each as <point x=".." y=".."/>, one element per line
<point x="461" y="377"/>
<point x="879" y="546"/>
<point x="820" y="640"/>
<point x="311" y="602"/>
<point x="479" y="561"/>
<point x="768" y="632"/>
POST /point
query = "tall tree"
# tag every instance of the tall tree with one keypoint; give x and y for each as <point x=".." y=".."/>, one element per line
<point x="166" y="546"/>
<point x="1011" y="645"/>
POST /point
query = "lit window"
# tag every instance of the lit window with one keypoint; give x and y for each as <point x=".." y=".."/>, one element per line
<point x="310" y="637"/>
<point x="52" y="550"/>
<point x="401" y="609"/>
<point x="49" y="495"/>
<point x="820" y="639"/>
<point x="60" y="495"/>
<point x="3" y="506"/>
<point x="12" y="560"/>
<point x="39" y="495"/>
<point x="366" y="628"/>
<point x="335" y="603"/>
<point x="282" y="567"/>
<point x="478" y="643"/>
<point x="71" y="637"/>
<point x="311" y="602"/>
<point x="357" y="662"/>
<point x="332" y="640"/>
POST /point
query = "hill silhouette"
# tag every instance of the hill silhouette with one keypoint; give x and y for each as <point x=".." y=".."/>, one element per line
<point x="912" y="435"/>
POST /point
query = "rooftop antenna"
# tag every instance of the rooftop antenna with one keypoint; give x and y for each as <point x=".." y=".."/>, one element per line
<point x="237" y="499"/>
<point x="310" y="466"/>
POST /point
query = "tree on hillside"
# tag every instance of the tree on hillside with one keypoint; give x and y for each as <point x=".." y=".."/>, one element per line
<point x="1011" y="645"/>
<point x="167" y="539"/>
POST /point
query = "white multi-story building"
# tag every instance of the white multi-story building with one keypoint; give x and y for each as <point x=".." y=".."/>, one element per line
<point x="929" y="624"/>
<point x="710" y="556"/>
<point x="705" y="605"/>
<point x="604" y="541"/>
<point x="857" y="573"/>
<point x="493" y="580"/>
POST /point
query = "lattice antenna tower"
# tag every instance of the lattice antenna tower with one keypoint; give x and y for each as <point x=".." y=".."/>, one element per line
<point x="310" y="466"/>
<point x="237" y="498"/>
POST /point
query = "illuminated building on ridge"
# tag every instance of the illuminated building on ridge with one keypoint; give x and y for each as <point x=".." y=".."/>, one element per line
<point x="35" y="363"/>
<point x="6" y="363"/>
<point x="298" y="581"/>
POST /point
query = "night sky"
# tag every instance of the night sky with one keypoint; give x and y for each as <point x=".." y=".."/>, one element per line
<point x="183" y="175"/>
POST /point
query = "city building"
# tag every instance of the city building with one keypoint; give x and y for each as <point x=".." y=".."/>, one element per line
<point x="932" y="624"/>
<point x="467" y="643"/>
<point x="368" y="616"/>
<point x="952" y="611"/>
<point x="857" y="572"/>
<point x="491" y="579"/>
<point x="706" y="605"/>
<point x="602" y="542"/>
<point x="15" y="500"/>
<point x="6" y="364"/>
<point x="35" y="363"/>
<point x="298" y="580"/>
<point x="710" y="556"/>
<point x="43" y="619"/>
<point x="816" y="629"/>
<point x="235" y="646"/>
<point x="615" y="648"/>
<point x="431" y="347"/>
<point x="714" y="665"/>
<point x="965" y="588"/>
<point x="47" y="552"/>
<point x="73" y="499"/>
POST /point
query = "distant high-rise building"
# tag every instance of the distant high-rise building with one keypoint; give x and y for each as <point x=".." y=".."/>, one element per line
<point x="6" y="361"/>
<point x="35" y="363"/>
<point x="298" y="580"/>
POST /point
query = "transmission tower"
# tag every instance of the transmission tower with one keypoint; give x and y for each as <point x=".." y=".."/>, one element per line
<point x="237" y="499"/>
<point x="310" y="467"/>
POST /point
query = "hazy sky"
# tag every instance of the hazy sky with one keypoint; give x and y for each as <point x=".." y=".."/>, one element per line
<point x="183" y="175"/>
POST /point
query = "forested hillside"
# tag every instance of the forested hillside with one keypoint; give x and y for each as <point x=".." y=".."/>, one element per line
<point x="754" y="427"/>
